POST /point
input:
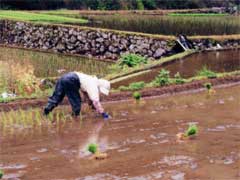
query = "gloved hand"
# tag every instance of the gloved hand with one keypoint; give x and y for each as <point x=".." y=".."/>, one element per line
<point x="105" y="116"/>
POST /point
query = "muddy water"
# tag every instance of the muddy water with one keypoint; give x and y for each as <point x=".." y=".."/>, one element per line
<point x="42" y="64"/>
<point x="218" y="61"/>
<point x="140" y="141"/>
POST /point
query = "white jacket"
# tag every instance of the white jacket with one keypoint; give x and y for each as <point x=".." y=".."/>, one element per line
<point x="93" y="86"/>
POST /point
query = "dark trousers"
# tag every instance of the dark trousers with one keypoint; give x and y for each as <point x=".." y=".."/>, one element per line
<point x="68" y="85"/>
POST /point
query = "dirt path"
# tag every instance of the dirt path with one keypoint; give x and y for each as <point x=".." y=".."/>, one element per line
<point x="140" y="141"/>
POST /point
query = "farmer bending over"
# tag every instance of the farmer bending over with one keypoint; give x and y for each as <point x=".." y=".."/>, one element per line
<point x="70" y="84"/>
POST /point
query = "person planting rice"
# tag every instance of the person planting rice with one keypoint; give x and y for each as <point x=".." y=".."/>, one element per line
<point x="70" y="84"/>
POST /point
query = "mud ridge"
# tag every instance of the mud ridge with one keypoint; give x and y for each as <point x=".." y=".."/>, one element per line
<point x="148" y="92"/>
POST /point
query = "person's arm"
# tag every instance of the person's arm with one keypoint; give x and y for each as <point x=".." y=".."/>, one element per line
<point x="98" y="106"/>
<point x="93" y="94"/>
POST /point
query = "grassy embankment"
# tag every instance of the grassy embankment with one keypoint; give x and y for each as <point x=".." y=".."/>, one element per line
<point x="39" y="18"/>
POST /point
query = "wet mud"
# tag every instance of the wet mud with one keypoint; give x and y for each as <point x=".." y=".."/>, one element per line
<point x="140" y="140"/>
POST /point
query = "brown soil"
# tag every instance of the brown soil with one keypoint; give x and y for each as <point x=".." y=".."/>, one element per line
<point x="148" y="92"/>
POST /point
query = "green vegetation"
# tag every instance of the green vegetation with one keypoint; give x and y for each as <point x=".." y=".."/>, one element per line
<point x="22" y="71"/>
<point x="169" y="25"/>
<point x="133" y="86"/>
<point x="116" y="4"/>
<point x="192" y="130"/>
<point x="205" y="72"/>
<point x="137" y="95"/>
<point x="131" y="60"/>
<point x="117" y="72"/>
<point x="208" y="86"/>
<point x="197" y="14"/>
<point x="140" y="5"/>
<point x="39" y="18"/>
<point x="178" y="79"/>
<point x="93" y="148"/>
<point x="163" y="78"/>
<point x="1" y="174"/>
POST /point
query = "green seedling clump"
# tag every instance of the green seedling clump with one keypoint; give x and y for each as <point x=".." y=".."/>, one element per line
<point x="1" y="174"/>
<point x="137" y="95"/>
<point x="192" y="130"/>
<point x="208" y="86"/>
<point x="178" y="79"/>
<point x="92" y="148"/>
<point x="163" y="78"/>
<point x="131" y="60"/>
<point x="207" y="73"/>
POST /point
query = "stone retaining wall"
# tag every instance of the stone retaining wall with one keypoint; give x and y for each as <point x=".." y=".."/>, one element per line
<point x="92" y="42"/>
<point x="78" y="40"/>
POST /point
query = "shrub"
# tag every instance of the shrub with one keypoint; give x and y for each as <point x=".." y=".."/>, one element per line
<point x="178" y="79"/>
<point x="131" y="60"/>
<point x="137" y="95"/>
<point x="163" y="78"/>
<point x="207" y="73"/>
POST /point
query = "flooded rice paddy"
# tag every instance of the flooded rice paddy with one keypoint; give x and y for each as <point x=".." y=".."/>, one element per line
<point x="140" y="140"/>
<point x="217" y="61"/>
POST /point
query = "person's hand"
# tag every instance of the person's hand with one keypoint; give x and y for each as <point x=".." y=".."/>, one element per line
<point x="105" y="116"/>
